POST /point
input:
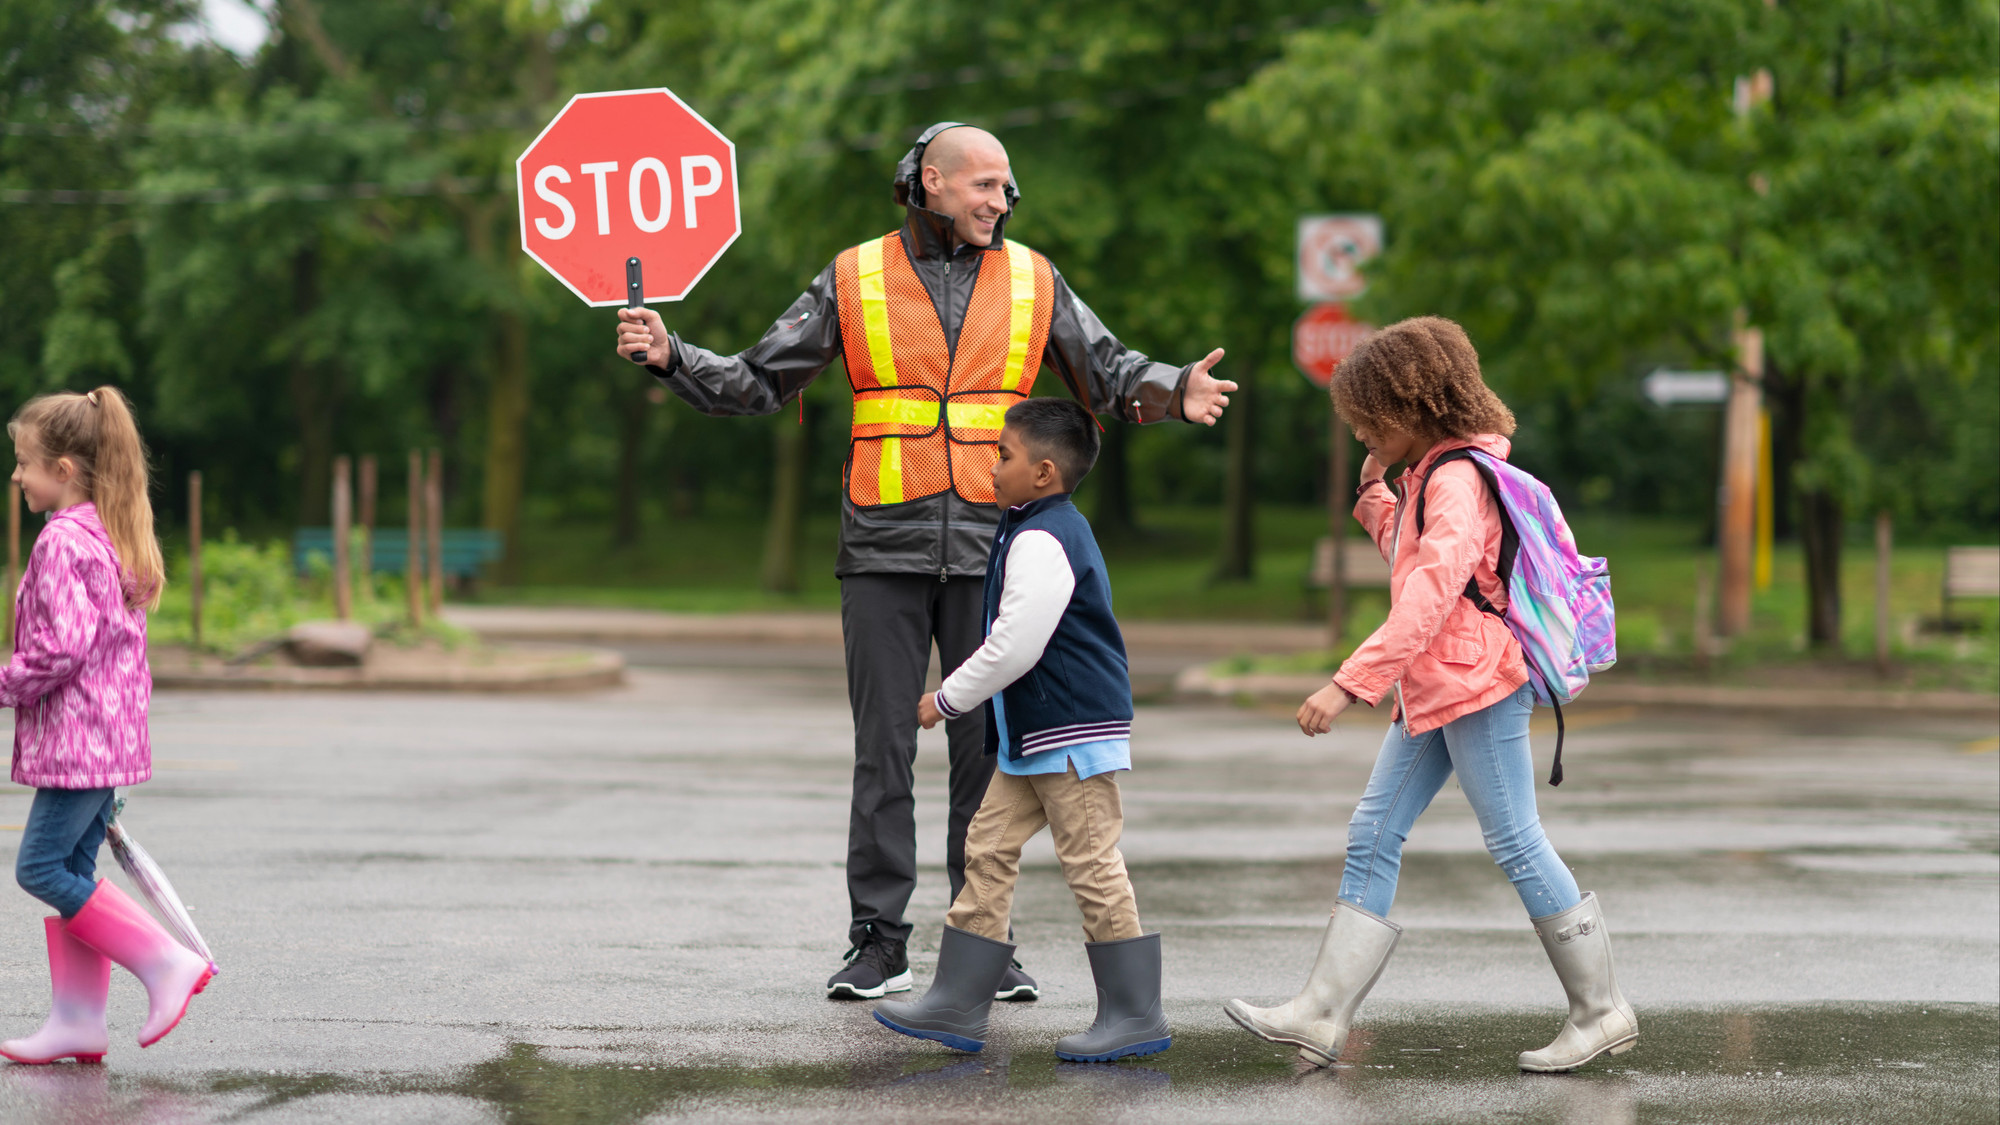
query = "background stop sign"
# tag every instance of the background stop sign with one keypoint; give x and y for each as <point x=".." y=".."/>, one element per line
<point x="1323" y="337"/>
<point x="634" y="173"/>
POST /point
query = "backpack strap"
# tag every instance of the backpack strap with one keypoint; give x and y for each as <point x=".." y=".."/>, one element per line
<point x="1510" y="549"/>
<point x="1510" y="539"/>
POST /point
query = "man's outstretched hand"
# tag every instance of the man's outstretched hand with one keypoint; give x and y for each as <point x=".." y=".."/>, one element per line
<point x="644" y="326"/>
<point x="1205" y="396"/>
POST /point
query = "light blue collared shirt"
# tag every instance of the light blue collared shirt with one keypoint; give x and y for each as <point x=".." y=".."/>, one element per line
<point x="1090" y="758"/>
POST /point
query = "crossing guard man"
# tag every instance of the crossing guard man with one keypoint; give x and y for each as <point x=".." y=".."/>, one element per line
<point x="943" y="324"/>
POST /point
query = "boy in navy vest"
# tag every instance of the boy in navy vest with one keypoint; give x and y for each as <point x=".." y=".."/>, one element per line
<point x="1058" y="698"/>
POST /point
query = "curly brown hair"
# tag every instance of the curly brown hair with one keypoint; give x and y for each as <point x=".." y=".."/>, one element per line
<point x="1420" y="376"/>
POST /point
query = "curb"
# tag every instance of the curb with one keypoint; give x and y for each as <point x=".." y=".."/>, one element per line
<point x="1198" y="682"/>
<point x="559" y="668"/>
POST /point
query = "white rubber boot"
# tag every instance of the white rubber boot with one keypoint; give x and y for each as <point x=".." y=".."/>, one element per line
<point x="1600" y="1020"/>
<point x="1316" y="1021"/>
<point x="79" y="982"/>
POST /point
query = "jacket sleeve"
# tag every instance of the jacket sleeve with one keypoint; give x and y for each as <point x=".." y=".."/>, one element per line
<point x="770" y="373"/>
<point x="1376" y="511"/>
<point x="1104" y="374"/>
<point x="1446" y="554"/>
<point x="1032" y="602"/>
<point x="58" y="626"/>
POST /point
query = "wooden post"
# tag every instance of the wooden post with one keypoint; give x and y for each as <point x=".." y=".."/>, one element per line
<point x="1883" y="541"/>
<point x="365" y="566"/>
<point x="1339" y="513"/>
<point x="194" y="557"/>
<point x="413" y="570"/>
<point x="343" y="532"/>
<point x="13" y="556"/>
<point x="1766" y="498"/>
<point x="434" y="515"/>
<point x="1738" y="524"/>
<point x="1704" y="638"/>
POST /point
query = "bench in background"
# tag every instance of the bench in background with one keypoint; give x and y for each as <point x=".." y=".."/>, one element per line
<point x="1365" y="565"/>
<point x="1970" y="572"/>
<point x="465" y="550"/>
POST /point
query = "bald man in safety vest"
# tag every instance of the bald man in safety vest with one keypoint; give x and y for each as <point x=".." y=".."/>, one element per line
<point x="943" y="324"/>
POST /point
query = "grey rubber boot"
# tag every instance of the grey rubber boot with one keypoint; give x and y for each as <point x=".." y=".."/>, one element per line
<point x="1600" y="1020"/>
<point x="953" y="1012"/>
<point x="1316" y="1021"/>
<point x="1129" y="1020"/>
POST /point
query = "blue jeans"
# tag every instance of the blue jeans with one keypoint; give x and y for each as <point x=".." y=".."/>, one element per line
<point x="58" y="858"/>
<point x="1489" y="750"/>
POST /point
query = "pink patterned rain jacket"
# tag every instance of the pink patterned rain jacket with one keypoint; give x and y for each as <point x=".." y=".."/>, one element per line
<point x="79" y="682"/>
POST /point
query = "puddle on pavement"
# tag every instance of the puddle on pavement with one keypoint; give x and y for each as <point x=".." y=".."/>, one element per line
<point x="1876" y="1063"/>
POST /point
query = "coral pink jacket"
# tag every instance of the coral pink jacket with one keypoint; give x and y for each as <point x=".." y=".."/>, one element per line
<point x="79" y="682"/>
<point x="1449" y="658"/>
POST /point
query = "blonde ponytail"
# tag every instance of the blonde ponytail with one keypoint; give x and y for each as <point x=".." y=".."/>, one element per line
<point x="98" y="434"/>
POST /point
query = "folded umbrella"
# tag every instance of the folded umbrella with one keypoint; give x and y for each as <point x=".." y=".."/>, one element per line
<point x="152" y="882"/>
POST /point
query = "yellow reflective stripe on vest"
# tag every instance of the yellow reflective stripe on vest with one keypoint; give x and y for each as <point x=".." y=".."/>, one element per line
<point x="889" y="477"/>
<point x="918" y="412"/>
<point x="875" y="311"/>
<point x="1020" y="313"/>
<point x="972" y="416"/>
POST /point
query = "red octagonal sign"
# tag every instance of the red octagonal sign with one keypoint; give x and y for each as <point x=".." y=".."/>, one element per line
<point x="630" y="174"/>
<point x="1323" y="337"/>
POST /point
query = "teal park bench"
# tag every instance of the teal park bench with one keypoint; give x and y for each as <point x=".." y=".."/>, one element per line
<point x="465" y="550"/>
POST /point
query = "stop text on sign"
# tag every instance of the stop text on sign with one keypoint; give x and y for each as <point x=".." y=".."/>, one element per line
<point x="1323" y="337"/>
<point x="700" y="176"/>
<point x="628" y="174"/>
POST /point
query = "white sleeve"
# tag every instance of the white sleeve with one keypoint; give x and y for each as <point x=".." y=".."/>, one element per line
<point x="1032" y="601"/>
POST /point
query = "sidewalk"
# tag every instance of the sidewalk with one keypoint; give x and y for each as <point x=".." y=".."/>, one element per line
<point x="1167" y="656"/>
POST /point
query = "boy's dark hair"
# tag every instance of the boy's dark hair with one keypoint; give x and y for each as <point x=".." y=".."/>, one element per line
<point x="1059" y="430"/>
<point x="1421" y="376"/>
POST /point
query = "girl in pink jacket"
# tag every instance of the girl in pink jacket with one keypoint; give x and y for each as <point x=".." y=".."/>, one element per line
<point x="1412" y="392"/>
<point x="79" y="686"/>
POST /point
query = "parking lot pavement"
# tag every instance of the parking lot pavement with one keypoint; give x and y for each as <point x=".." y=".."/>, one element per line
<point x="621" y="906"/>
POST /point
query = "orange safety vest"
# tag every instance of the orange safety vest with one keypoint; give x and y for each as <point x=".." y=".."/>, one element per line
<point x="926" y="420"/>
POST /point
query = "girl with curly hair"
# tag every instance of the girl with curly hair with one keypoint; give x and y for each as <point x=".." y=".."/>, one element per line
<point x="1412" y="393"/>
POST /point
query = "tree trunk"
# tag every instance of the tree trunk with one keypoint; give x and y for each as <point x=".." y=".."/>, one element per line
<point x="1820" y="535"/>
<point x="507" y="440"/>
<point x="631" y="439"/>
<point x="313" y="398"/>
<point x="1239" y="513"/>
<point x="788" y="483"/>
<point x="1111" y="516"/>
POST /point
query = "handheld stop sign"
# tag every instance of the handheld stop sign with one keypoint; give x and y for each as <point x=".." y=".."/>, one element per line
<point x="633" y="176"/>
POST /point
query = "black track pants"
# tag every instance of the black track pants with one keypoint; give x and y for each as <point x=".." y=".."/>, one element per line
<point x="889" y="622"/>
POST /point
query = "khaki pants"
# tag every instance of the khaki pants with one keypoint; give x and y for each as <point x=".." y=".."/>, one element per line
<point x="1084" y="816"/>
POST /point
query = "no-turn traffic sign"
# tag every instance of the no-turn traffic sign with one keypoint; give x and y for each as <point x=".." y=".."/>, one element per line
<point x="1322" y="338"/>
<point x="1331" y="250"/>
<point x="628" y="174"/>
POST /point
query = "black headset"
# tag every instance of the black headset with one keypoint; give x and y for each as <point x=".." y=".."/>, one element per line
<point x="910" y="175"/>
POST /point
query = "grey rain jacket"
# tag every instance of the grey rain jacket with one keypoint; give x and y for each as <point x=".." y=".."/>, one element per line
<point x="943" y="534"/>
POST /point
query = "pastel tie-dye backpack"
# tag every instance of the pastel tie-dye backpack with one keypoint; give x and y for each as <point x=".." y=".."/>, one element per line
<point x="1558" y="601"/>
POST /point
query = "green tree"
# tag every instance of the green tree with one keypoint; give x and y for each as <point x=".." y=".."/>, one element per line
<point x="1574" y="181"/>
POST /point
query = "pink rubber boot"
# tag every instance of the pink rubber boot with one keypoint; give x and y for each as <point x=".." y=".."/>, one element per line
<point x="79" y="980"/>
<point x="121" y="929"/>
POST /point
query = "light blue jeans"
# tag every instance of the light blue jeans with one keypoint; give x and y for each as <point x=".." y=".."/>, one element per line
<point x="1489" y="751"/>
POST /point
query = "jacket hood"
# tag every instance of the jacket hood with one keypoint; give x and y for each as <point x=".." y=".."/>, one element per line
<point x="928" y="232"/>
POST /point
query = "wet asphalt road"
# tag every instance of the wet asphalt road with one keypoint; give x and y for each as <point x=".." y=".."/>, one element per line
<point x="622" y="906"/>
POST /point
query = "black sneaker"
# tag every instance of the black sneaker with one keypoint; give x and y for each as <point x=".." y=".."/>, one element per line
<point x="1017" y="985"/>
<point x="876" y="967"/>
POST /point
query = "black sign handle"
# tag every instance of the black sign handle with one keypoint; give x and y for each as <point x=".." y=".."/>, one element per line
<point x="635" y="297"/>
